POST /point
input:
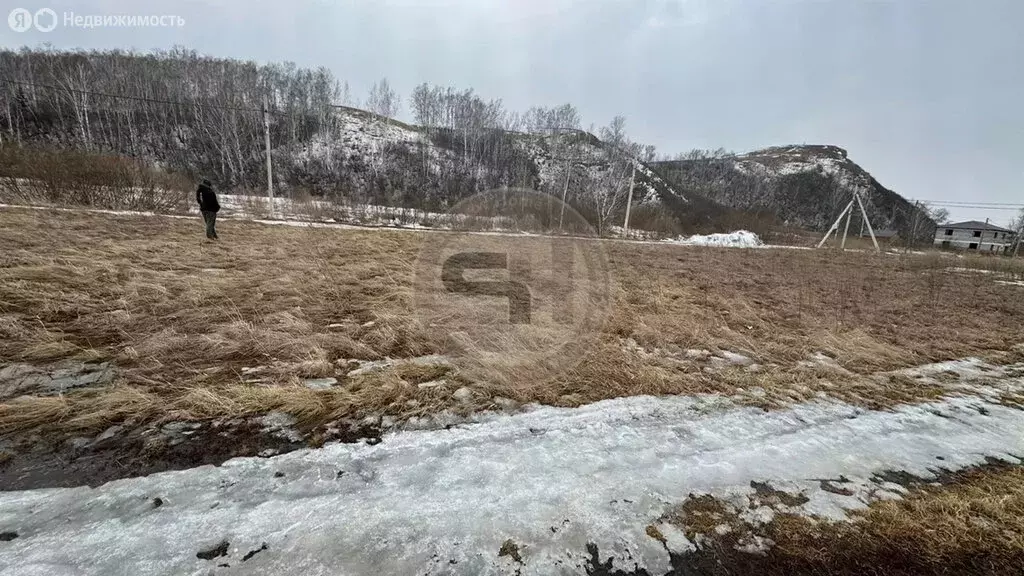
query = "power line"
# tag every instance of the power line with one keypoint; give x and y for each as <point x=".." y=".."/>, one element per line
<point x="975" y="204"/>
<point x="1010" y="210"/>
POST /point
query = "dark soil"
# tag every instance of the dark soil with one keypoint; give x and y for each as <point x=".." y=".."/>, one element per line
<point x="886" y="560"/>
<point x="34" y="461"/>
<point x="215" y="552"/>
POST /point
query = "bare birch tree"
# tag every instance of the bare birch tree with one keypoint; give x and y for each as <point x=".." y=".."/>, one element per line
<point x="383" y="100"/>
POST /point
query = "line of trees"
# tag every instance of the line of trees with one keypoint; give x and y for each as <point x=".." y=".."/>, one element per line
<point x="177" y="107"/>
<point x="202" y="116"/>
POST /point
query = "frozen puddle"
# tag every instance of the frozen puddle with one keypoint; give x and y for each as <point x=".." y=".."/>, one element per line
<point x="444" y="502"/>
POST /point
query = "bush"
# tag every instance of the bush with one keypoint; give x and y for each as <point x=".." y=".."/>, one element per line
<point x="36" y="175"/>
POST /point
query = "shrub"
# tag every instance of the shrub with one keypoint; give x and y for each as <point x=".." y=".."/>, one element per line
<point x="39" y="175"/>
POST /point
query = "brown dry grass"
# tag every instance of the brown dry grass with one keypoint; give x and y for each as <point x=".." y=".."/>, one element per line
<point x="182" y="318"/>
<point x="976" y="523"/>
<point x="971" y="524"/>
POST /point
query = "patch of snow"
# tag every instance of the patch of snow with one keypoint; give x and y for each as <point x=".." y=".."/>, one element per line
<point x="505" y="403"/>
<point x="821" y="360"/>
<point x="758" y="516"/>
<point x="281" y="425"/>
<point x="754" y="544"/>
<point x="738" y="239"/>
<point x="424" y="499"/>
<point x="109" y="433"/>
<point x="368" y="366"/>
<point x="735" y="358"/>
<point x="971" y="270"/>
<point x="966" y="368"/>
<point x="675" y="540"/>
<point x="756" y="392"/>
<point x="320" y="383"/>
<point x="432" y="384"/>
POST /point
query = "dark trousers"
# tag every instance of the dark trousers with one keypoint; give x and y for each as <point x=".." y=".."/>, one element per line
<point x="211" y="221"/>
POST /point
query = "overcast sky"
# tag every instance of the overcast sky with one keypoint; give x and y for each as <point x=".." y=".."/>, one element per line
<point x="925" y="94"/>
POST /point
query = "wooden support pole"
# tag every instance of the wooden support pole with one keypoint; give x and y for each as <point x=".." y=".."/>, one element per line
<point x="565" y="192"/>
<point x="846" y="230"/>
<point x="835" y="225"/>
<point x="871" y="230"/>
<point x="629" y="200"/>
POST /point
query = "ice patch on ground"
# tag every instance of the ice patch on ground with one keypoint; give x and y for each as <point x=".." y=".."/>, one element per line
<point x="445" y="501"/>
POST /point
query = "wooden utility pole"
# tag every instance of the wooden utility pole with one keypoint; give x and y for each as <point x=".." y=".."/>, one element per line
<point x="846" y="230"/>
<point x="835" y="225"/>
<point x="266" y="142"/>
<point x="629" y="199"/>
<point x="913" y="230"/>
<point x="848" y="213"/>
<point x="565" y="192"/>
<point x="864" y="213"/>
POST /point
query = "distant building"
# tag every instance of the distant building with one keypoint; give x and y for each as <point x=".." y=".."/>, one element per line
<point x="884" y="235"/>
<point x="974" y="235"/>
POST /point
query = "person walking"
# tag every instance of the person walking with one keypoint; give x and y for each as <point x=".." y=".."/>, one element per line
<point x="208" y="206"/>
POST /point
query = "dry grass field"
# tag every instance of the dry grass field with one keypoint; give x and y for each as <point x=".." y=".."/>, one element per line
<point x="185" y="321"/>
<point x="201" y="331"/>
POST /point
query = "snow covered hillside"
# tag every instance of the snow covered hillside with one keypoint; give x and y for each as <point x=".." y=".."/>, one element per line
<point x="366" y="157"/>
<point x="805" y="186"/>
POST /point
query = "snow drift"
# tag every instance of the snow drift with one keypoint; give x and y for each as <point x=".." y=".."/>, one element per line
<point x="738" y="239"/>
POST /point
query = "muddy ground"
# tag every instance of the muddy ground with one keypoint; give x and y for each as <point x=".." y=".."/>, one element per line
<point x="886" y="561"/>
<point x="35" y="460"/>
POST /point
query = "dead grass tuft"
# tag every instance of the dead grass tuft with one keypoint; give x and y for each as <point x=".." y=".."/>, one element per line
<point x="972" y="526"/>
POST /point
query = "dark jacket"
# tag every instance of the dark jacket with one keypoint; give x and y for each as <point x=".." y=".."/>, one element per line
<point x="207" y="199"/>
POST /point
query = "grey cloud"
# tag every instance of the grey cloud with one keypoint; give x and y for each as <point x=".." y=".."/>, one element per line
<point x="924" y="94"/>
